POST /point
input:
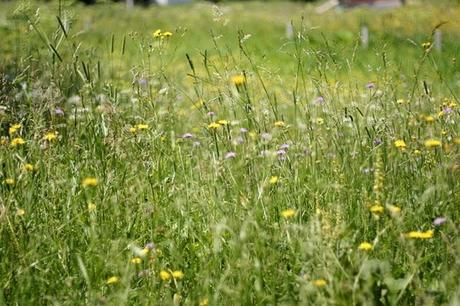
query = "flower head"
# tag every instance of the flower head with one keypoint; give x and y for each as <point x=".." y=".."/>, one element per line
<point x="432" y="143"/>
<point x="319" y="282"/>
<point x="377" y="209"/>
<point x="420" y="235"/>
<point x="112" y="280"/>
<point x="439" y="221"/>
<point x="89" y="182"/>
<point x="178" y="274"/>
<point x="28" y="167"/>
<point x="230" y="155"/>
<point x="288" y="213"/>
<point x="273" y="180"/>
<point x="365" y="246"/>
<point x="164" y="275"/>
<point x="238" y="80"/>
<point x="136" y="260"/>
<point x="17" y="142"/>
<point x="14" y="128"/>
<point x="280" y="124"/>
<point x="400" y="144"/>
<point x="50" y="136"/>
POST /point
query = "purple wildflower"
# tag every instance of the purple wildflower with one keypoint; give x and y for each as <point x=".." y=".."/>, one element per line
<point x="58" y="111"/>
<point x="143" y="82"/>
<point x="230" y="155"/>
<point x="447" y="110"/>
<point x="284" y="146"/>
<point x="319" y="100"/>
<point x="211" y="114"/>
<point x="439" y="221"/>
<point x="377" y="141"/>
<point x="370" y="85"/>
<point x="150" y="246"/>
<point x="187" y="136"/>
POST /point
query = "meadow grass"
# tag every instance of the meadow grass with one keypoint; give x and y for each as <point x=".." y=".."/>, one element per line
<point x="223" y="163"/>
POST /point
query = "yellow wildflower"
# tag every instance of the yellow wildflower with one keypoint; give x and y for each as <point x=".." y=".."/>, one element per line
<point x="28" y="167"/>
<point x="9" y="181"/>
<point x="400" y="144"/>
<point x="426" y="45"/>
<point x="214" y="125"/>
<point x="365" y="246"/>
<point x="14" y="128"/>
<point x="166" y="34"/>
<point x="136" y="260"/>
<point x="376" y="209"/>
<point x="288" y="213"/>
<point x="457" y="140"/>
<point x="417" y="152"/>
<point x="429" y="119"/>
<point x="223" y="122"/>
<point x="20" y="212"/>
<point x="142" y="126"/>
<point x="50" y="136"/>
<point x="178" y="274"/>
<point x="89" y="182"/>
<point x="432" y="143"/>
<point x="132" y="130"/>
<point x="319" y="282"/>
<point x="204" y="302"/>
<point x="280" y="124"/>
<point x="91" y="207"/>
<point x="157" y="33"/>
<point x="112" y="280"/>
<point x="273" y="180"/>
<point x="164" y="275"/>
<point x="420" y="235"/>
<point x="144" y="252"/>
<point x="400" y="101"/>
<point x="17" y="142"/>
<point x="394" y="209"/>
<point x="238" y="79"/>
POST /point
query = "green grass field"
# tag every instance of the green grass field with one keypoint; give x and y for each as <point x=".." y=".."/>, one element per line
<point x="217" y="161"/>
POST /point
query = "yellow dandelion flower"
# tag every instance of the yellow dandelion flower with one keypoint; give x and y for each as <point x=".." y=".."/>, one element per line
<point x="9" y="181"/>
<point x="178" y="274"/>
<point x="377" y="209"/>
<point x="223" y="122"/>
<point x="112" y="280"/>
<point x="14" y="128"/>
<point x="164" y="275"/>
<point x="273" y="180"/>
<point x="136" y="260"/>
<point x="365" y="246"/>
<point x="28" y="167"/>
<point x="142" y="126"/>
<point x="432" y="143"/>
<point x="90" y="182"/>
<point x="429" y="119"/>
<point x="420" y="235"/>
<point x="288" y="213"/>
<point x="400" y="144"/>
<point x="204" y="302"/>
<point x="166" y="34"/>
<point x="91" y="207"/>
<point x="50" y="136"/>
<point x="319" y="282"/>
<point x="17" y="142"/>
<point x="157" y="33"/>
<point x="280" y="124"/>
<point x="238" y="79"/>
<point x="20" y="212"/>
<point x="132" y="130"/>
<point x="394" y="209"/>
<point x="214" y="125"/>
